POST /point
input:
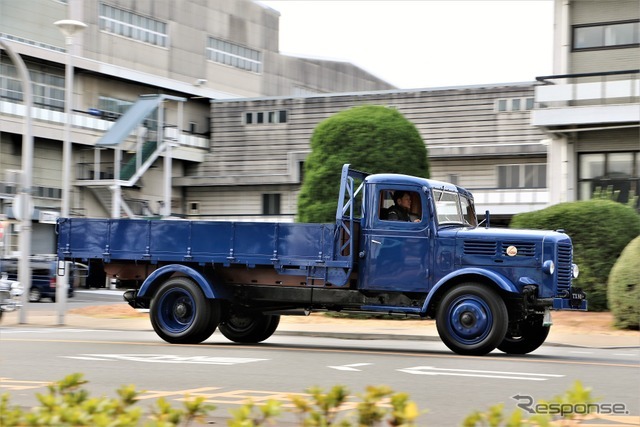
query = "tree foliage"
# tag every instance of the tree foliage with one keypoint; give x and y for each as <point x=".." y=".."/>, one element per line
<point x="624" y="288"/>
<point x="599" y="229"/>
<point x="371" y="138"/>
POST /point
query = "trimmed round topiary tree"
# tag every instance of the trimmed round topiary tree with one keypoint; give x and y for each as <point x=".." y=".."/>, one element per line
<point x="370" y="138"/>
<point x="623" y="288"/>
<point x="599" y="229"/>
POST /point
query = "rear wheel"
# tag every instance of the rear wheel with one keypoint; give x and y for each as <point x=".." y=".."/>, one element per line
<point x="249" y="328"/>
<point x="472" y="319"/>
<point x="528" y="337"/>
<point x="181" y="314"/>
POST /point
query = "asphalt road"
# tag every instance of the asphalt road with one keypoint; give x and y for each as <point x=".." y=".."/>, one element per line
<point x="448" y="386"/>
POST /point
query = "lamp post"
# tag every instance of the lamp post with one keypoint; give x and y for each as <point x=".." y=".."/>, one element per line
<point x="24" y="210"/>
<point x="68" y="27"/>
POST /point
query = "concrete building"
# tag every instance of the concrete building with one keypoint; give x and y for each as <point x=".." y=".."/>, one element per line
<point x="590" y="107"/>
<point x="232" y="117"/>
<point x="479" y="137"/>
<point x="191" y="51"/>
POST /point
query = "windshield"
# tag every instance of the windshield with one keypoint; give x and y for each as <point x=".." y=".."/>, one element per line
<point x="453" y="209"/>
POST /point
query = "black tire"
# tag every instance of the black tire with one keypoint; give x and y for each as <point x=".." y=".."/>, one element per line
<point x="249" y="328"/>
<point x="35" y="295"/>
<point x="472" y="319"/>
<point x="181" y="314"/>
<point x="530" y="335"/>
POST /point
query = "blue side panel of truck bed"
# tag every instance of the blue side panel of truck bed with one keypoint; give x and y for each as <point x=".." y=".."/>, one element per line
<point x="250" y="243"/>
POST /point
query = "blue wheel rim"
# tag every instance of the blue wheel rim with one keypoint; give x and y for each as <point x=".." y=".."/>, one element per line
<point x="176" y="311"/>
<point x="469" y="319"/>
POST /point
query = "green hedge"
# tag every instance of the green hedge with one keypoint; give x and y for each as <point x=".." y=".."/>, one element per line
<point x="599" y="229"/>
<point x="624" y="288"/>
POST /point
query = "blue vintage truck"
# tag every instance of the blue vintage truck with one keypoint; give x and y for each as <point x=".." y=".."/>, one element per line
<point x="486" y="288"/>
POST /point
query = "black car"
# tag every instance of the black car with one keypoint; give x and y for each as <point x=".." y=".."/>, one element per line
<point x="43" y="277"/>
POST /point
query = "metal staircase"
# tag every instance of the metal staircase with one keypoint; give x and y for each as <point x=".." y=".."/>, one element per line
<point x="109" y="192"/>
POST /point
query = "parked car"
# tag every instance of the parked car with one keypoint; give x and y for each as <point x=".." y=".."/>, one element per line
<point x="10" y="291"/>
<point x="43" y="276"/>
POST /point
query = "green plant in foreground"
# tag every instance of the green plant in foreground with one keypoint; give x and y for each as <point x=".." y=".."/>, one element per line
<point x="67" y="404"/>
<point x="560" y="410"/>
<point x="251" y="415"/>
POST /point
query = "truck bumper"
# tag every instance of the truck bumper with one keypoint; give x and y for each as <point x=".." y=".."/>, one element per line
<point x="574" y="299"/>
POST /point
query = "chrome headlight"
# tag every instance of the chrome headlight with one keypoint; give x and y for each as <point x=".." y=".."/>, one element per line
<point x="575" y="271"/>
<point x="548" y="267"/>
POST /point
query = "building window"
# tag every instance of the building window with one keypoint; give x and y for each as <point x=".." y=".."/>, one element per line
<point x="48" y="88"/>
<point x="133" y="26"/>
<point x="194" y="208"/>
<point x="271" y="204"/>
<point x="262" y="117"/>
<point x="613" y="175"/>
<point x="513" y="104"/>
<point x="606" y="35"/>
<point x="522" y="176"/>
<point x="224" y="52"/>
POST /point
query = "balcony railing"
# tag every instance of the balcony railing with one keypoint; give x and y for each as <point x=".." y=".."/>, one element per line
<point x="614" y="87"/>
<point x="89" y="122"/>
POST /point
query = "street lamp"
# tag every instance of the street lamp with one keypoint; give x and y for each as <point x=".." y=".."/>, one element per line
<point x="68" y="27"/>
<point x="24" y="211"/>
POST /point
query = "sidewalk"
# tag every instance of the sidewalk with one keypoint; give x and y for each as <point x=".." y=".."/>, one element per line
<point x="578" y="329"/>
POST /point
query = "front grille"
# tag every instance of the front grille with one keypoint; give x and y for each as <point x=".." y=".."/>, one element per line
<point x="527" y="249"/>
<point x="476" y="247"/>
<point x="563" y="266"/>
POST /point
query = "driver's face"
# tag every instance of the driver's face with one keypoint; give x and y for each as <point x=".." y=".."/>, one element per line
<point x="405" y="201"/>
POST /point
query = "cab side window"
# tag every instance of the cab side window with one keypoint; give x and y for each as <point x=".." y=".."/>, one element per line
<point x="400" y="205"/>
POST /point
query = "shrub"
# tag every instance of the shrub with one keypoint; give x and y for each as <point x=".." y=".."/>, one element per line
<point x="370" y="138"/>
<point x="599" y="229"/>
<point x="68" y="404"/>
<point x="624" y="288"/>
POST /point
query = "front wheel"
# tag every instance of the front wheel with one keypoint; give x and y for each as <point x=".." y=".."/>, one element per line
<point x="181" y="314"/>
<point x="529" y="336"/>
<point x="472" y="319"/>
<point x="249" y="328"/>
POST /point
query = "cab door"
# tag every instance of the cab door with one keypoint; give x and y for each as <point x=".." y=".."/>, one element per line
<point x="397" y="253"/>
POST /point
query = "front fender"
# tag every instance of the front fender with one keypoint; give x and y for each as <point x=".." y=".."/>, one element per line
<point x="168" y="270"/>
<point x="501" y="281"/>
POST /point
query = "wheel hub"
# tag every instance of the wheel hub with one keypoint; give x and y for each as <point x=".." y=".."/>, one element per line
<point x="180" y="309"/>
<point x="469" y="319"/>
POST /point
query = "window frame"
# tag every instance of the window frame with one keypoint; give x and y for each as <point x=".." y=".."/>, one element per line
<point x="271" y="204"/>
<point x="604" y="45"/>
<point x="522" y="176"/>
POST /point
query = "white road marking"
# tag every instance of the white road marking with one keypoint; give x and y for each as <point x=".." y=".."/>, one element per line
<point x="351" y="367"/>
<point x="45" y="331"/>
<point x="167" y="358"/>
<point x="430" y="370"/>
